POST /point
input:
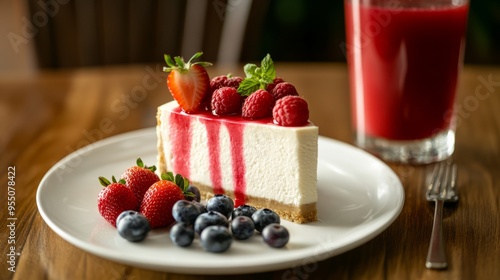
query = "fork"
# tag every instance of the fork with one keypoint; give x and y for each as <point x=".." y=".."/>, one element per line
<point x="441" y="189"/>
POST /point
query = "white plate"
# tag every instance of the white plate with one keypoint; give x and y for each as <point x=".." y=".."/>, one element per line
<point x="359" y="197"/>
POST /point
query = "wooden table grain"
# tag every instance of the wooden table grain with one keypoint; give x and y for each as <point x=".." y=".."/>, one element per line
<point x="54" y="113"/>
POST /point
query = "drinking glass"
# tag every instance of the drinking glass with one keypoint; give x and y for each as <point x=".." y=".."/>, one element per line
<point x="404" y="59"/>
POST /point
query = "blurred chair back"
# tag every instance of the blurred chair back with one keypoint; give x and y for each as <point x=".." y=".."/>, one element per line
<point x="73" y="33"/>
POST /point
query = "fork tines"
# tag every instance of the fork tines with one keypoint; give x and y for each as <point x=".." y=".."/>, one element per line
<point x="442" y="184"/>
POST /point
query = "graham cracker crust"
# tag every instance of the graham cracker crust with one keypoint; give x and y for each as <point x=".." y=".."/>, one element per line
<point x="303" y="214"/>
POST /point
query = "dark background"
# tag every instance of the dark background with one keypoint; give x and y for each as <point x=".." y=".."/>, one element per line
<point x="98" y="32"/>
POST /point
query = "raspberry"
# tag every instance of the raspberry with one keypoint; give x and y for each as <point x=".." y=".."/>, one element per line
<point x="283" y="89"/>
<point x="291" y="111"/>
<point x="226" y="101"/>
<point x="276" y="81"/>
<point x="234" y="82"/>
<point x="218" y="82"/>
<point x="258" y="105"/>
<point x="225" y="81"/>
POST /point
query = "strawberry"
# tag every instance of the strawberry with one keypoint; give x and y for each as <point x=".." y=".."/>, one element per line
<point x="161" y="197"/>
<point x="188" y="82"/>
<point x="139" y="178"/>
<point x="114" y="199"/>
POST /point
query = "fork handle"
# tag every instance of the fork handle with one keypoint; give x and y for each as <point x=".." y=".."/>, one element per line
<point x="436" y="257"/>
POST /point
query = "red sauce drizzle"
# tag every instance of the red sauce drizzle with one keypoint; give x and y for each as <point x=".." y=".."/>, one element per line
<point x="238" y="163"/>
<point x="180" y="131"/>
<point x="213" y="129"/>
<point x="180" y="134"/>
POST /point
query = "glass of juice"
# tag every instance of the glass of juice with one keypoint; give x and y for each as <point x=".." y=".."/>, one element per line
<point x="404" y="59"/>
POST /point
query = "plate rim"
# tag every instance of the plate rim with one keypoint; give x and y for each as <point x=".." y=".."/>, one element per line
<point x="289" y="263"/>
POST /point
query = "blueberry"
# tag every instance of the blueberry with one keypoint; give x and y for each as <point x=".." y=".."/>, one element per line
<point x="196" y="192"/>
<point x="211" y="218"/>
<point x="275" y="235"/>
<point x="244" y="210"/>
<point x="242" y="227"/>
<point x="216" y="239"/>
<point x="132" y="226"/>
<point x="203" y="208"/>
<point x="185" y="211"/>
<point x="221" y="203"/>
<point x="264" y="217"/>
<point x="123" y="214"/>
<point x="182" y="234"/>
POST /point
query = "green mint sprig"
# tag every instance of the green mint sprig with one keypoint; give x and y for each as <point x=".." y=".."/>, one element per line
<point x="257" y="77"/>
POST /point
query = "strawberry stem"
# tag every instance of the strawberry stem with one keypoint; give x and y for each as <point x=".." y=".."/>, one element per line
<point x="180" y="181"/>
<point x="178" y="63"/>
<point x="105" y="182"/>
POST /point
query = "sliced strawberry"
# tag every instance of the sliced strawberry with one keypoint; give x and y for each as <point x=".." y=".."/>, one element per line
<point x="189" y="82"/>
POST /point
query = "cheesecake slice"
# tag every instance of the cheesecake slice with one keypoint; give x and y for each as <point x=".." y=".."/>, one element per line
<point x="255" y="162"/>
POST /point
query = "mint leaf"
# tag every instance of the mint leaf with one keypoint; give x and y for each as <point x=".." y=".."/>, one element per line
<point x="257" y="77"/>
<point x="267" y="68"/>
<point x="249" y="70"/>
<point x="248" y="86"/>
<point x="264" y="82"/>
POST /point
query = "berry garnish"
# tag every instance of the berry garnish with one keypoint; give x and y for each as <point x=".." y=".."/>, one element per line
<point x="211" y="218"/>
<point x="221" y="203"/>
<point x="216" y="239"/>
<point x="196" y="194"/>
<point x="264" y="217"/>
<point x="291" y="111"/>
<point x="185" y="211"/>
<point x="114" y="199"/>
<point x="182" y="234"/>
<point x="258" y="105"/>
<point x="242" y="227"/>
<point x="226" y="101"/>
<point x="243" y="210"/>
<point x="283" y="89"/>
<point x="275" y="235"/>
<point x="132" y="226"/>
<point x="203" y="208"/>
<point x="139" y="178"/>
<point x="233" y="81"/>
<point x="225" y="81"/>
<point x="218" y="82"/>
<point x="257" y="77"/>
<point x="188" y="82"/>
<point x="160" y="198"/>
<point x="276" y="81"/>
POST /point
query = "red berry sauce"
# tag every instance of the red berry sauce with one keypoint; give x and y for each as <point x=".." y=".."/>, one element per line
<point x="180" y="131"/>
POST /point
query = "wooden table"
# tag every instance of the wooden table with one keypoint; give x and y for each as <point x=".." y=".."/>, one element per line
<point x="46" y="117"/>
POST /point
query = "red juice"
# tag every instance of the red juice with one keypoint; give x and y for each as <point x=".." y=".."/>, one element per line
<point x="404" y="64"/>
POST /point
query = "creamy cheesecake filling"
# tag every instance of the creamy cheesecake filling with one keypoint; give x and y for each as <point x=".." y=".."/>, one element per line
<point x="256" y="162"/>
